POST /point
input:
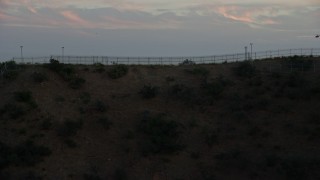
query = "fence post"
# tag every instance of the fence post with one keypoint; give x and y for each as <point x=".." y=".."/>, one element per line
<point x="290" y="52"/>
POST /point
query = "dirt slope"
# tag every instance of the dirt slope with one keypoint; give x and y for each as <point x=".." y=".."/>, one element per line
<point x="228" y="121"/>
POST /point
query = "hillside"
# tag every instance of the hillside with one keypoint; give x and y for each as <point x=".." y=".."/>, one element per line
<point x="228" y="121"/>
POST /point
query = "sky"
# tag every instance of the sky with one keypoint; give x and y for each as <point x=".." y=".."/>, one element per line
<point x="155" y="27"/>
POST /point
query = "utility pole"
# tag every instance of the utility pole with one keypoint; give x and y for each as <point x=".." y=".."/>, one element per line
<point x="251" y="51"/>
<point x="21" y="54"/>
<point x="246" y="53"/>
<point x="62" y="49"/>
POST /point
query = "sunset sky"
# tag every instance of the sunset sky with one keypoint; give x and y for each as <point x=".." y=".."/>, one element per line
<point x="155" y="27"/>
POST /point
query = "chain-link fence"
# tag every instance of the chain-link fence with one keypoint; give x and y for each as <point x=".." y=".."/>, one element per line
<point x="109" y="60"/>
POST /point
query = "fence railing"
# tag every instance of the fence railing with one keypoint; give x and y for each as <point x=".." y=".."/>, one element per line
<point x="109" y="60"/>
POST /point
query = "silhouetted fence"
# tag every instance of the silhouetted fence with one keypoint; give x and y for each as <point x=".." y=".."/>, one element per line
<point x="109" y="60"/>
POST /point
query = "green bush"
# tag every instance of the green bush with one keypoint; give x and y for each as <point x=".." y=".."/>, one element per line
<point x="118" y="71"/>
<point x="245" y="69"/>
<point x="148" y="91"/>
<point x="161" y="135"/>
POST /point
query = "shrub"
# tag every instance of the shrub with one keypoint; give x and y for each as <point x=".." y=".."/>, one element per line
<point x="187" y="62"/>
<point x="210" y="136"/>
<point x="69" y="128"/>
<point x="23" y="96"/>
<point x="169" y="79"/>
<point x="245" y="69"/>
<point x="9" y="70"/>
<point x="183" y="93"/>
<point x="120" y="174"/>
<point x="99" y="68"/>
<point x="76" y="82"/>
<point x="24" y="154"/>
<point x="91" y="176"/>
<point x="297" y="63"/>
<point x="70" y="143"/>
<point x="10" y="75"/>
<point x="199" y="71"/>
<point x="161" y="135"/>
<point x="10" y="65"/>
<point x="85" y="97"/>
<point x="54" y="65"/>
<point x="118" y="71"/>
<point x="46" y="124"/>
<point x="105" y="122"/>
<point x="148" y="91"/>
<point x="30" y="154"/>
<point x="100" y="106"/>
<point x="14" y="111"/>
<point x="39" y="77"/>
<point x="67" y="72"/>
<point x="214" y="89"/>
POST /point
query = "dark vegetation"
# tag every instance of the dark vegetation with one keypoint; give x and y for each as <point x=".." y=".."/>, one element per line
<point x="9" y="70"/>
<point x="24" y="154"/>
<point x="242" y="120"/>
<point x="118" y="71"/>
<point x="161" y="135"/>
<point x="67" y="72"/>
<point x="149" y="91"/>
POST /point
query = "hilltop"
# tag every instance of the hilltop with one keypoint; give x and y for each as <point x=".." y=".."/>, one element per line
<point x="245" y="120"/>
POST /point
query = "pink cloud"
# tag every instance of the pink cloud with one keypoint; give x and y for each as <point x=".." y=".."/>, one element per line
<point x="76" y="20"/>
<point x="232" y="12"/>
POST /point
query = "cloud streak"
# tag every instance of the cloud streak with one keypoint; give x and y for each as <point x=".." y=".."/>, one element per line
<point x="143" y="14"/>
